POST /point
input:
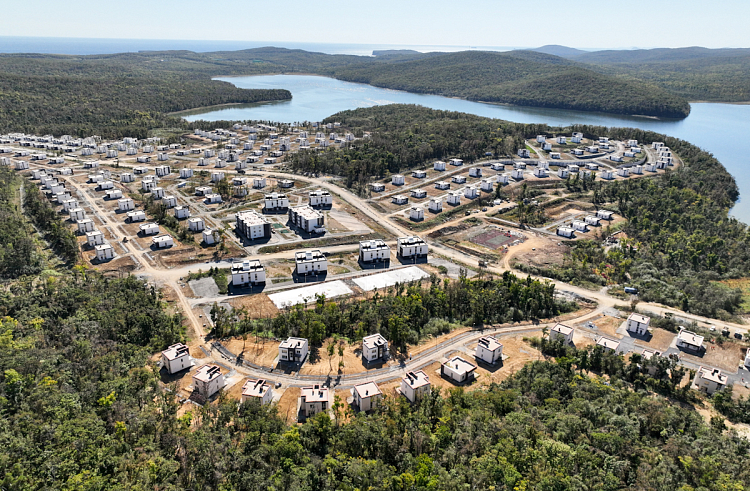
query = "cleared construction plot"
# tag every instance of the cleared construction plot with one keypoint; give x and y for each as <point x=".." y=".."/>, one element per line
<point x="307" y="293"/>
<point x="390" y="278"/>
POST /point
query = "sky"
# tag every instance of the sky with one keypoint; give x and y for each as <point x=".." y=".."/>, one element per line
<point x="586" y="24"/>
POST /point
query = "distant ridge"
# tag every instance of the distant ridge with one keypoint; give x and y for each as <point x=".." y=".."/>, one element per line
<point x="558" y="50"/>
<point x="660" y="55"/>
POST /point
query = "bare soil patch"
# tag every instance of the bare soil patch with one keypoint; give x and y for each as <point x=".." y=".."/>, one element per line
<point x="726" y="357"/>
<point x="329" y="365"/>
<point x="287" y="404"/>
<point x="258" y="306"/>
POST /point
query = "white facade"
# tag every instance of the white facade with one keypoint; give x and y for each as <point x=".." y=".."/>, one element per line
<point x="320" y="197"/>
<point x="709" y="380"/>
<point x="419" y="174"/>
<point x="293" y="350"/>
<point x="471" y="192"/>
<point x="181" y="212"/>
<point x="314" y="400"/>
<point x="367" y="396"/>
<point x="562" y="332"/>
<point x="196" y="224"/>
<point x="416" y="213"/>
<point x="439" y="165"/>
<point x="456" y="162"/>
<point x="409" y="247"/>
<point x="257" y="390"/>
<point x="259" y="182"/>
<point x="454" y="198"/>
<point x="186" y="173"/>
<point x="458" y="370"/>
<point x="85" y="225"/>
<point x="442" y="185"/>
<point x="208" y="380"/>
<point x="252" y="225"/>
<point x="374" y="250"/>
<point x="149" y="228"/>
<point x="310" y="262"/>
<point x="567" y="232"/>
<point x="418" y="193"/>
<point x="136" y="216"/>
<point x="104" y="252"/>
<point x="248" y="272"/>
<point x="114" y="194"/>
<point x="517" y="174"/>
<point x="475" y="172"/>
<point x="592" y="220"/>
<point x="489" y="350"/>
<point x="638" y="324"/>
<point x="276" y="202"/>
<point x="169" y="201"/>
<point x="487" y="186"/>
<point x="307" y="219"/>
<point x="217" y="176"/>
<point x="377" y="187"/>
<point x="176" y="358"/>
<point x="77" y="214"/>
<point x="94" y="238"/>
<point x="689" y="340"/>
<point x="436" y="205"/>
<point x="374" y="347"/>
<point x="415" y="385"/>
<point x="580" y="226"/>
<point x="397" y="180"/>
<point x="607" y="174"/>
<point x="623" y="172"/>
<point x="459" y="179"/>
<point x="209" y="236"/>
<point x="162" y="241"/>
<point x="213" y="198"/>
<point x="541" y="172"/>
<point x="605" y="214"/>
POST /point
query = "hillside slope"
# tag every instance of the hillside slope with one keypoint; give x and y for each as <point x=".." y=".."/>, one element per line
<point x="524" y="78"/>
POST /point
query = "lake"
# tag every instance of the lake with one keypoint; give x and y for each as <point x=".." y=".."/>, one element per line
<point x="713" y="127"/>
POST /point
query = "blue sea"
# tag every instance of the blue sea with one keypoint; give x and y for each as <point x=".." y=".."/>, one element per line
<point x="95" y="46"/>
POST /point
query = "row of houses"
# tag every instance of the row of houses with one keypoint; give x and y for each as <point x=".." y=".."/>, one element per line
<point x="583" y="225"/>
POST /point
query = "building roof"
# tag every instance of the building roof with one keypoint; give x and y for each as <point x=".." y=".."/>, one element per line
<point x="411" y="240"/>
<point x="368" y="389"/>
<point x="647" y="354"/>
<point x="175" y="351"/>
<point x="307" y="212"/>
<point x="305" y="256"/>
<point x="250" y="218"/>
<point x="460" y="365"/>
<point x="315" y="393"/>
<point x="246" y="265"/>
<point x="320" y="192"/>
<point x="563" y="329"/>
<point x="641" y="319"/>
<point x="103" y="247"/>
<point x="713" y="374"/>
<point x="275" y="196"/>
<point x="417" y="379"/>
<point x="689" y="337"/>
<point x="293" y="343"/>
<point x="207" y="373"/>
<point x="374" y="244"/>
<point x="490" y="343"/>
<point x="607" y="343"/>
<point x="373" y="341"/>
<point x="255" y="388"/>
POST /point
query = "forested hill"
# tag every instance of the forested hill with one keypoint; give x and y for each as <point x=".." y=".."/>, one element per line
<point x="522" y="78"/>
<point x="698" y="74"/>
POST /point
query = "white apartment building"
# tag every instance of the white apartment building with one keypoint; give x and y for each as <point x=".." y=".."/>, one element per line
<point x="248" y="272"/>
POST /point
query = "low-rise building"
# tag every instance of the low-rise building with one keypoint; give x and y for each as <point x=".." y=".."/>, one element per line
<point x="248" y="272"/>
<point x="416" y="213"/>
<point x="169" y="201"/>
<point x="567" y="232"/>
<point x="275" y="202"/>
<point x="314" y="400"/>
<point x="320" y="197"/>
<point x="104" y="252"/>
<point x="293" y="350"/>
<point x="411" y="247"/>
<point x="307" y="219"/>
<point x="442" y="185"/>
<point x="196" y="224"/>
<point x="377" y="187"/>
<point x="186" y="173"/>
<point x="523" y="153"/>
<point x="709" y="380"/>
<point x="367" y="396"/>
<point x="592" y="220"/>
<point x="418" y="193"/>
<point x="399" y="199"/>
<point x="459" y="179"/>
<point x="747" y="358"/>
<point x="436" y="205"/>
<point x="176" y="358"/>
<point x="373" y="251"/>
<point x="458" y="370"/>
<point x="136" y="216"/>
<point x="607" y="174"/>
<point x="210" y="236"/>
<point x="114" y="194"/>
<point x="489" y="350"/>
<point x="487" y="185"/>
<point x="203" y="190"/>
<point x="471" y="192"/>
<point x="454" y="198"/>
<point x="212" y="198"/>
<point x="580" y="226"/>
<point x="208" y="380"/>
<point x="475" y="172"/>
<point x="374" y="347"/>
<point x="517" y="174"/>
<point x="77" y="214"/>
<point x="259" y="182"/>
<point x="149" y="228"/>
<point x="456" y="162"/>
<point x="439" y="165"/>
<point x="182" y="212"/>
<point x="607" y="344"/>
<point x="397" y="180"/>
<point x="561" y="332"/>
<point x="162" y="241"/>
<point x="419" y="174"/>
<point x="415" y="386"/>
<point x="638" y="324"/>
<point x="623" y="172"/>
<point x="689" y="341"/>
<point x="310" y="262"/>
<point x="605" y="214"/>
<point x="257" y="390"/>
<point x="95" y="237"/>
<point x="252" y="225"/>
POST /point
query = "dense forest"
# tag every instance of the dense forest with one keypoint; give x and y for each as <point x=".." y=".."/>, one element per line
<point x="522" y="79"/>
<point x="698" y="74"/>
<point x="406" y="314"/>
<point x="129" y="94"/>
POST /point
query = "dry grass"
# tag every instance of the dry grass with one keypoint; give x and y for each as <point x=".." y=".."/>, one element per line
<point x="726" y="357"/>
<point x="606" y="325"/>
<point x="258" y="306"/>
<point x="287" y="404"/>
<point x="325" y="365"/>
<point x="263" y="353"/>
